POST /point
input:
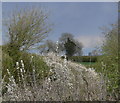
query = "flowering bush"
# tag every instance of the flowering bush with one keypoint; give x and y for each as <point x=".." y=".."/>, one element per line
<point x="66" y="81"/>
<point x="26" y="61"/>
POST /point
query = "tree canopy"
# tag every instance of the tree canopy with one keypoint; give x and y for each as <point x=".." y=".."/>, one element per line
<point x="69" y="45"/>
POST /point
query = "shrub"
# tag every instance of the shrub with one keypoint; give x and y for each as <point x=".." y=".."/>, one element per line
<point x="108" y="66"/>
<point x="30" y="61"/>
<point x="7" y="63"/>
<point x="33" y="61"/>
<point x="108" y="62"/>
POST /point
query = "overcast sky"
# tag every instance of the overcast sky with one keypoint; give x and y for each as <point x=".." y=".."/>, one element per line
<point x="82" y="19"/>
<point x="0" y="23"/>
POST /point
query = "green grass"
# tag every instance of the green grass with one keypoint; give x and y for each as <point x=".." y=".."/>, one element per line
<point x="88" y="64"/>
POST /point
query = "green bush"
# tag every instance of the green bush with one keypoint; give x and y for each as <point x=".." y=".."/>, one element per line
<point x="108" y="66"/>
<point x="7" y="63"/>
<point x="31" y="62"/>
<point x="108" y="63"/>
<point x="36" y="62"/>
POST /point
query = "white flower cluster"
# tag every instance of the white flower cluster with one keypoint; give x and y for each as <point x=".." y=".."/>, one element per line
<point x="67" y="81"/>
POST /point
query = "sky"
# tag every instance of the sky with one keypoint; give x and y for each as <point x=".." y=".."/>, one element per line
<point x="82" y="19"/>
<point x="0" y="22"/>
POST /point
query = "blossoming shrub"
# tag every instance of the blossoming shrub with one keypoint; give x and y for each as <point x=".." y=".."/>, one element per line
<point x="67" y="81"/>
<point x="33" y="61"/>
<point x="28" y="62"/>
<point x="7" y="63"/>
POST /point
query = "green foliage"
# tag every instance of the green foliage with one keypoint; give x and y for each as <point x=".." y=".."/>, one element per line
<point x="69" y="45"/>
<point x="7" y="63"/>
<point x="26" y="28"/>
<point x="70" y="48"/>
<point x="108" y="66"/>
<point x="31" y="62"/>
<point x="108" y="62"/>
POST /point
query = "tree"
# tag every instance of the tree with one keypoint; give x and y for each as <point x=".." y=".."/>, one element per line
<point x="68" y="39"/>
<point x="27" y="28"/>
<point x="78" y="48"/>
<point x="48" y="46"/>
<point x="89" y="54"/>
<point x="70" y="47"/>
<point x="51" y="46"/>
<point x="64" y="37"/>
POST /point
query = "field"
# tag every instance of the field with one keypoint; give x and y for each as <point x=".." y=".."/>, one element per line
<point x="87" y="63"/>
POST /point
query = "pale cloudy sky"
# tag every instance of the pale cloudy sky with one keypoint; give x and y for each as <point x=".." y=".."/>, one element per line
<point x="82" y="19"/>
<point x="0" y="23"/>
<point x="89" y="41"/>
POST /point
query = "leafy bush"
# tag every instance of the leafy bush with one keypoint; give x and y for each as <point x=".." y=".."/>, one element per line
<point x="108" y="63"/>
<point x="108" y="66"/>
<point x="7" y="63"/>
<point x="33" y="61"/>
<point x="30" y="61"/>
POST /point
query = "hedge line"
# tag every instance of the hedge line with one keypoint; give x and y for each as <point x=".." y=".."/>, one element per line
<point x="83" y="58"/>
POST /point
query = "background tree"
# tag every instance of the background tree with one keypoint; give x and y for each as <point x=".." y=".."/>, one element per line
<point x="48" y="46"/>
<point x="51" y="46"/>
<point x="94" y="53"/>
<point x="67" y="41"/>
<point x="69" y="47"/>
<point x="64" y="37"/>
<point x="89" y="54"/>
<point x="78" y="48"/>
